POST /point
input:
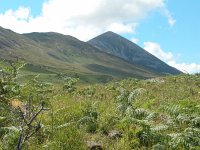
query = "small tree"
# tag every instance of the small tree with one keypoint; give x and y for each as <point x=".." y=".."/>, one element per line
<point x="18" y="104"/>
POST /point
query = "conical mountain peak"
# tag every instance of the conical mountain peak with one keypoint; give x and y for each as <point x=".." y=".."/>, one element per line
<point x="111" y="33"/>
<point x="119" y="46"/>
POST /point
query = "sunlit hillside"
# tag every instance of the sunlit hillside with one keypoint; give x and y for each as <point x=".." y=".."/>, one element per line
<point x="157" y="113"/>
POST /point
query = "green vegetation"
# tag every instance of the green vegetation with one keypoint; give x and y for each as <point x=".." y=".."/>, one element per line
<point x="52" y="53"/>
<point x="158" y="113"/>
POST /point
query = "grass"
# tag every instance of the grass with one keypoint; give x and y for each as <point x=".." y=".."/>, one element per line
<point x="157" y="113"/>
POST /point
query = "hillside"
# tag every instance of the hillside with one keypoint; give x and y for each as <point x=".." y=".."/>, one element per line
<point x="37" y="113"/>
<point x="84" y="57"/>
<point x="61" y="53"/>
<point x="160" y="113"/>
<point x="114" y="44"/>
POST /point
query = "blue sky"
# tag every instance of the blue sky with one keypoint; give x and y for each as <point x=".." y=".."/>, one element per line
<point x="169" y="29"/>
<point x="183" y="38"/>
<point x="34" y="5"/>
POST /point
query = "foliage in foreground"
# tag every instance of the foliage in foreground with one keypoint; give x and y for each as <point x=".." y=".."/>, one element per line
<point x="161" y="113"/>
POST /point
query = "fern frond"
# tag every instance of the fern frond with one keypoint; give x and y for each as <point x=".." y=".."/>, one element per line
<point x="158" y="147"/>
<point x="131" y="97"/>
<point x="193" y="131"/>
<point x="140" y="113"/>
<point x="129" y="111"/>
<point x="173" y="110"/>
<point x="183" y="118"/>
<point x="85" y="120"/>
<point x="151" y="116"/>
<point x="196" y="121"/>
<point x="177" y="140"/>
<point x="122" y="97"/>
<point x="159" y="128"/>
<point x="143" y="123"/>
<point x="187" y="139"/>
<point x="63" y="125"/>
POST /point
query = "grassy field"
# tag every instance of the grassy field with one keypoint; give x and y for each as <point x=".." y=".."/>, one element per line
<point x="159" y="113"/>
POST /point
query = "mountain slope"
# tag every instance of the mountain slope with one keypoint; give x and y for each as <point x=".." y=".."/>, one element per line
<point x="61" y="53"/>
<point x="14" y="45"/>
<point x="116" y="45"/>
<point x="82" y="56"/>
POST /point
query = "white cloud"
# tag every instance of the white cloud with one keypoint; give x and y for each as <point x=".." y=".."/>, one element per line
<point x="170" y="59"/>
<point x="22" y="13"/>
<point x="186" y="67"/>
<point x="155" y="49"/>
<point x="135" y="40"/>
<point x="122" y="28"/>
<point x="171" y="20"/>
<point x="83" y="19"/>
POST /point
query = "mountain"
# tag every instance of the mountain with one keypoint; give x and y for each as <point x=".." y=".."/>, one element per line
<point x="57" y="53"/>
<point x="116" y="45"/>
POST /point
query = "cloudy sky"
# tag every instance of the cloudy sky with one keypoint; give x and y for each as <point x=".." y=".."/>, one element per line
<point x="169" y="29"/>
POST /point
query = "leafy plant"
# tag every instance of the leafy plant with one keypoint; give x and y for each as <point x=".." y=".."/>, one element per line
<point x="69" y="84"/>
<point x="90" y="116"/>
<point x="21" y="114"/>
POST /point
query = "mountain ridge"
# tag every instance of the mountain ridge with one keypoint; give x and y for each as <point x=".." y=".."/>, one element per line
<point x="67" y="54"/>
<point x="117" y="45"/>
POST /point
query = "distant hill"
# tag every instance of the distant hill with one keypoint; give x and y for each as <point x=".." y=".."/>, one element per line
<point x="62" y="53"/>
<point x="116" y="45"/>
